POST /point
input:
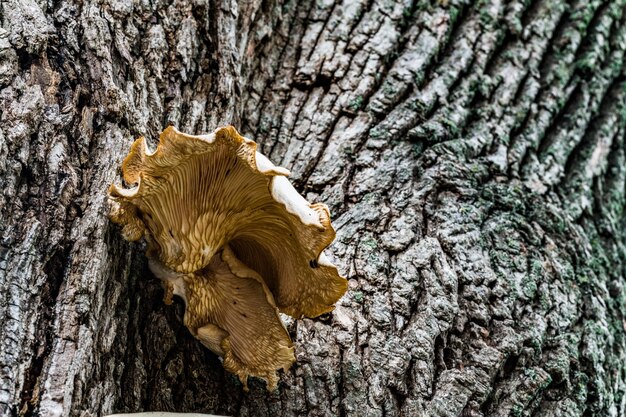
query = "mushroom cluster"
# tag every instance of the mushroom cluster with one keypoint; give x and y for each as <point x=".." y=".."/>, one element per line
<point x="227" y="232"/>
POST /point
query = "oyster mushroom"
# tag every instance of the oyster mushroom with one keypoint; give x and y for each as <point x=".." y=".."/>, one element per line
<point x="228" y="233"/>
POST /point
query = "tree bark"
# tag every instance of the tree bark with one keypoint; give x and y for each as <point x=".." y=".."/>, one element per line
<point x="472" y="154"/>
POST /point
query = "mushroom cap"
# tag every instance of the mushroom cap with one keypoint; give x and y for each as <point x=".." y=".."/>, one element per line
<point x="196" y="194"/>
<point x="230" y="309"/>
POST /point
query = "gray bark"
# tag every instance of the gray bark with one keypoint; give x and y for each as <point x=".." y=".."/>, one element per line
<point x="472" y="154"/>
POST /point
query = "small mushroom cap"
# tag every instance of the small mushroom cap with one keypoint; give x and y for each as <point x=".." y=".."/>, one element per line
<point x="232" y="312"/>
<point x="196" y="194"/>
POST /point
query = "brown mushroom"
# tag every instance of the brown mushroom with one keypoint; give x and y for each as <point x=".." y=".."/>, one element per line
<point x="228" y="233"/>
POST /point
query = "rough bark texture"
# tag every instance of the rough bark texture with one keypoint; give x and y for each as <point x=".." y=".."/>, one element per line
<point x="472" y="154"/>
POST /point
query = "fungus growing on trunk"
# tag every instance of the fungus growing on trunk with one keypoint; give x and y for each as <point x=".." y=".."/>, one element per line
<point x="228" y="233"/>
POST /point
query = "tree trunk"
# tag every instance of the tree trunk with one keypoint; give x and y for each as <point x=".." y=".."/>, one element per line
<point x="472" y="155"/>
